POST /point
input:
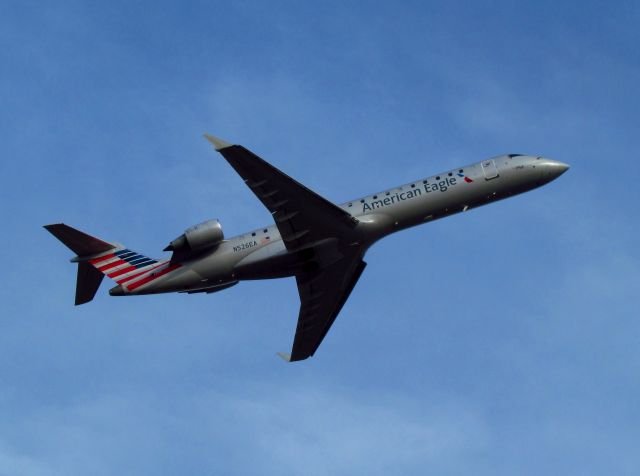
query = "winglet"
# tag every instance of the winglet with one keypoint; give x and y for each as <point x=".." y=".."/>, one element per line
<point x="284" y="356"/>
<point x="218" y="144"/>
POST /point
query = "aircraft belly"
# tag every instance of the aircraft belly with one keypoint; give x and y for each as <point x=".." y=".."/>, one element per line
<point x="271" y="261"/>
<point x="177" y="280"/>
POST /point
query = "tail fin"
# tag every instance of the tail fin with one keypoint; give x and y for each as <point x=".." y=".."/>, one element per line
<point x="97" y="259"/>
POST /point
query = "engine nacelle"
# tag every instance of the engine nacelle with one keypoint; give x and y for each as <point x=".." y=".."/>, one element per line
<point x="197" y="238"/>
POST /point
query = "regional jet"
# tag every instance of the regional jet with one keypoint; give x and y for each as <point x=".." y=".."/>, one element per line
<point x="317" y="242"/>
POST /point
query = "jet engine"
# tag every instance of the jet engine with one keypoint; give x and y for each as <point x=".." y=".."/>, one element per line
<point x="196" y="239"/>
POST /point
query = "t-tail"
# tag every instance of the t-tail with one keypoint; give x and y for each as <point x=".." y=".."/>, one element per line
<point x="97" y="259"/>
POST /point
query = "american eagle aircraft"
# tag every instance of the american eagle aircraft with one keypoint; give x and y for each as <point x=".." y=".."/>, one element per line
<point x="319" y="243"/>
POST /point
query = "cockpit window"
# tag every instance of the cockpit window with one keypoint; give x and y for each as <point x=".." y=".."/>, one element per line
<point x="511" y="156"/>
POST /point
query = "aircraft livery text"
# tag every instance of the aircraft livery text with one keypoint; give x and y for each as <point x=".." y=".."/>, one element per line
<point x="429" y="187"/>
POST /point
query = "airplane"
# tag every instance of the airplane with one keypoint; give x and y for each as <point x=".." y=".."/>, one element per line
<point x="319" y="243"/>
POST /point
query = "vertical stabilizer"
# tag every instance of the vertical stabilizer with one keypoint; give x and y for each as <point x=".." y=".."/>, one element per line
<point x="97" y="258"/>
<point x="89" y="278"/>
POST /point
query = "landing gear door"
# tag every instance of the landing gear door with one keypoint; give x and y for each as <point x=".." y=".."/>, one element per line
<point x="490" y="170"/>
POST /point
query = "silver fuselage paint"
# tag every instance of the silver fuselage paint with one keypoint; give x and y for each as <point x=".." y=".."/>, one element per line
<point x="261" y="254"/>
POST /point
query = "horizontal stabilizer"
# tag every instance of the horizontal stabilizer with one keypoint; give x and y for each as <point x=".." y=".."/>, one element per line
<point x="78" y="242"/>
<point x="97" y="259"/>
<point x="89" y="279"/>
<point x="284" y="356"/>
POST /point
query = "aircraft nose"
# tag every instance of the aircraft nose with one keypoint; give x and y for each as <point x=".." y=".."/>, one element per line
<point x="553" y="168"/>
<point x="558" y="167"/>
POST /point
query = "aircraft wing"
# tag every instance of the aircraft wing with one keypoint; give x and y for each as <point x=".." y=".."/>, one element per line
<point x="322" y="294"/>
<point x="302" y="216"/>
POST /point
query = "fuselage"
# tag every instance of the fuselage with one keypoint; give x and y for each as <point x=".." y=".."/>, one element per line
<point x="261" y="253"/>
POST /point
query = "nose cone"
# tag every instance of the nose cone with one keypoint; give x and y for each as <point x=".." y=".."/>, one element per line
<point x="552" y="169"/>
<point x="557" y="167"/>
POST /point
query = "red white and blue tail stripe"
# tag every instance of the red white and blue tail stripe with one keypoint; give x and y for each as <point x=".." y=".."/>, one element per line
<point x="97" y="258"/>
<point x="131" y="269"/>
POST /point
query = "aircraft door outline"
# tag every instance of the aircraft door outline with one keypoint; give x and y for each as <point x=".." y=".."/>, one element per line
<point x="490" y="170"/>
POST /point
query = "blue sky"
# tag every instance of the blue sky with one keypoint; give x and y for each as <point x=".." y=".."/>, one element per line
<point x="504" y="341"/>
